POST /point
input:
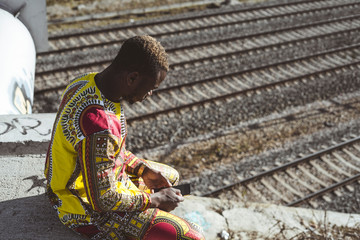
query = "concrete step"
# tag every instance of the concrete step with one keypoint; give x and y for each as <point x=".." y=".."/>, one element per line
<point x="27" y="214"/>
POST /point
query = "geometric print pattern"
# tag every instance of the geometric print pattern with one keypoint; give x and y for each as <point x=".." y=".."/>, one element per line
<point x="99" y="175"/>
<point x="152" y="224"/>
<point x="70" y="118"/>
<point x="146" y="224"/>
<point x="176" y="228"/>
<point x="125" y="225"/>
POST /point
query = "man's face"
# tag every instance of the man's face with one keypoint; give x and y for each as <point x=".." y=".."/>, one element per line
<point x="145" y="87"/>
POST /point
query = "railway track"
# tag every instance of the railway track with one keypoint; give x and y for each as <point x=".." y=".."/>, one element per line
<point x="268" y="48"/>
<point x="225" y="50"/>
<point x="280" y="22"/>
<point x="245" y="81"/>
<point x="184" y="24"/>
<point x="181" y="56"/>
<point x="302" y="180"/>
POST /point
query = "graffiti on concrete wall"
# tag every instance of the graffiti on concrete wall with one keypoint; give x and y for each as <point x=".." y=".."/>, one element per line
<point x="23" y="125"/>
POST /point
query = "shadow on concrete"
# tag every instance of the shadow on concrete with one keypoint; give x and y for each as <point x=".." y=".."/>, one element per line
<point x="32" y="218"/>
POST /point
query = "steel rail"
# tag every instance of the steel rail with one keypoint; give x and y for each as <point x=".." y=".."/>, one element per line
<point x="119" y="41"/>
<point x="210" y="43"/>
<point x="286" y="166"/>
<point x="324" y="190"/>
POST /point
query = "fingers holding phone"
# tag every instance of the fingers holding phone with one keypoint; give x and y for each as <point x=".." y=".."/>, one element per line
<point x="166" y="199"/>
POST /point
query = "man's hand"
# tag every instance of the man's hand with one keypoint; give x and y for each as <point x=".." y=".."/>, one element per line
<point x="154" y="179"/>
<point x="166" y="199"/>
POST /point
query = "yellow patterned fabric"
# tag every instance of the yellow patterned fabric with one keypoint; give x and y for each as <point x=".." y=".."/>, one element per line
<point x="135" y="225"/>
<point x="88" y="168"/>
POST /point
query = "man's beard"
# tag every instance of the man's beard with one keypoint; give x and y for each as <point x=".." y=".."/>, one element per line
<point x="131" y="99"/>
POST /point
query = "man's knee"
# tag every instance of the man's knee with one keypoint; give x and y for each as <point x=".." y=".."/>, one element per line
<point x="171" y="231"/>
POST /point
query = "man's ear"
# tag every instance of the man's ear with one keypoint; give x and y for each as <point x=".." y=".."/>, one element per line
<point x="131" y="78"/>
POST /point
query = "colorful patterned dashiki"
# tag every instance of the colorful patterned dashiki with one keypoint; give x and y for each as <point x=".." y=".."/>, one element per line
<point x="93" y="182"/>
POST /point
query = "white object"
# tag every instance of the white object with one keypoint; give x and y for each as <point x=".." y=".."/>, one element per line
<point x="17" y="66"/>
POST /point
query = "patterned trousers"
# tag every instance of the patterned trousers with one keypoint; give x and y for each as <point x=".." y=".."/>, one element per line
<point x="152" y="224"/>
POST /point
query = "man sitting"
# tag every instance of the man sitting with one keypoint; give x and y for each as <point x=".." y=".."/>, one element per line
<point x="98" y="188"/>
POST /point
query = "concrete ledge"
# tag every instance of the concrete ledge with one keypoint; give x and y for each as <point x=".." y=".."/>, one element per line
<point x="26" y="212"/>
<point x="33" y="218"/>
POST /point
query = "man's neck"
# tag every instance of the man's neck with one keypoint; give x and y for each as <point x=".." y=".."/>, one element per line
<point x="101" y="84"/>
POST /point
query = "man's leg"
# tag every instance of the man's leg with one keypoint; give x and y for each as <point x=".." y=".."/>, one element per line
<point x="152" y="224"/>
<point x="167" y="226"/>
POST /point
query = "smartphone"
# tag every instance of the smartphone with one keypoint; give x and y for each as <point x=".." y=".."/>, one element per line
<point x="184" y="188"/>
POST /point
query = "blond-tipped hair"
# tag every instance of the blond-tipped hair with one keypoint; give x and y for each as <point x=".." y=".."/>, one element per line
<point x="143" y="54"/>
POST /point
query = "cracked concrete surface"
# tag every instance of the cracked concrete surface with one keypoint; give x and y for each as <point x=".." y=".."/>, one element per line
<point x="27" y="214"/>
<point x="258" y="221"/>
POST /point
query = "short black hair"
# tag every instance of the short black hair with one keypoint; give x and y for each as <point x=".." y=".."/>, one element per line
<point x="143" y="54"/>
